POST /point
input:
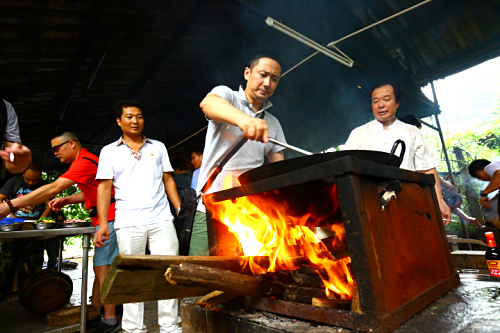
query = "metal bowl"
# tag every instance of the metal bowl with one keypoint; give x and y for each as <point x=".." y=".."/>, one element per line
<point x="11" y="227"/>
<point x="45" y="225"/>
<point x="76" y="224"/>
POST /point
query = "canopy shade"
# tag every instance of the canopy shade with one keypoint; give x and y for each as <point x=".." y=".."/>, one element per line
<point x="65" y="64"/>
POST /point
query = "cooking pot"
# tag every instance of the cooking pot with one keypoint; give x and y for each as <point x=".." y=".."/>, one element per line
<point x="281" y="167"/>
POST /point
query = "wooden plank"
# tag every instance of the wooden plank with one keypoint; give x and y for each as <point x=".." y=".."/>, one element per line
<point x="469" y="259"/>
<point x="139" y="278"/>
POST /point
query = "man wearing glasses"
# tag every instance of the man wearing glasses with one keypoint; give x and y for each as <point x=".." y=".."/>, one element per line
<point x="68" y="149"/>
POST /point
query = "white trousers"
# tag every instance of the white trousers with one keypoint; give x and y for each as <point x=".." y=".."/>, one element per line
<point x="162" y="239"/>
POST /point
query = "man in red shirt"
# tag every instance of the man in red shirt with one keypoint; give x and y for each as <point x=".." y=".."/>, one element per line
<point x="68" y="149"/>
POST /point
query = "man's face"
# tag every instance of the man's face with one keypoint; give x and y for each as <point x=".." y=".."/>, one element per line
<point x="196" y="160"/>
<point x="131" y="122"/>
<point x="31" y="178"/>
<point x="384" y="105"/>
<point x="63" y="149"/>
<point x="483" y="176"/>
<point x="262" y="79"/>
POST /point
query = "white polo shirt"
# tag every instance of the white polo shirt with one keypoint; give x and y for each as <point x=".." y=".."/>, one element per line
<point x="139" y="191"/>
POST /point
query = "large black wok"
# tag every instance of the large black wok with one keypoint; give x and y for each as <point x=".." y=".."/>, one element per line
<point x="281" y="167"/>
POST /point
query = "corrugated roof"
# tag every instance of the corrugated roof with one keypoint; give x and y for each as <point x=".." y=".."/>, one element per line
<point x="64" y="64"/>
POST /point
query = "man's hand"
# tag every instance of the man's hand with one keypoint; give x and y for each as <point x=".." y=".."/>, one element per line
<point x="101" y="235"/>
<point x="445" y="212"/>
<point x="255" y="129"/>
<point x="4" y="210"/>
<point x="21" y="157"/>
<point x="220" y="110"/>
<point x="485" y="202"/>
<point x="58" y="203"/>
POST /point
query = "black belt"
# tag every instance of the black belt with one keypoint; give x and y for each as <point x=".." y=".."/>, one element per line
<point x="93" y="211"/>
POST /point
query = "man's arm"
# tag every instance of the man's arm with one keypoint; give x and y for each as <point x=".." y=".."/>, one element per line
<point x="220" y="110"/>
<point x="171" y="189"/>
<point x="494" y="183"/>
<point x="492" y="186"/>
<point x="275" y="157"/>
<point x="443" y="207"/>
<point x="58" y="203"/>
<point x="22" y="157"/>
<point x="103" y="202"/>
<point x="41" y="194"/>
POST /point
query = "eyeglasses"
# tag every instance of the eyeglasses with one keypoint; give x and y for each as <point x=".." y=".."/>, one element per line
<point x="55" y="149"/>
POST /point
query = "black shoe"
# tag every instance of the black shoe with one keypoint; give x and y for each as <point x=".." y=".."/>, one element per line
<point x="93" y="323"/>
<point x="105" y="328"/>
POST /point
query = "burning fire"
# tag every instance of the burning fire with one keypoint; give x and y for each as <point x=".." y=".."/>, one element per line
<point x="263" y="229"/>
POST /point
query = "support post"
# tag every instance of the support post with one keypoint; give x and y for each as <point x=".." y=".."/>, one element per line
<point x="436" y="105"/>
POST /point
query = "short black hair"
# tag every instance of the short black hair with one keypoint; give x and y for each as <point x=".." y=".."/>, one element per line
<point x="477" y="165"/>
<point x="411" y="119"/>
<point x="34" y="167"/>
<point x="263" y="54"/>
<point x="68" y="135"/>
<point x="127" y="103"/>
<point x="178" y="163"/>
<point x="395" y="87"/>
<point x="197" y="152"/>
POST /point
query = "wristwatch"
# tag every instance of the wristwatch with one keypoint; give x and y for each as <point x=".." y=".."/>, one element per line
<point x="483" y="194"/>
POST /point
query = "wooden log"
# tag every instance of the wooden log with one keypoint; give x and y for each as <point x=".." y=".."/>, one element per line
<point x="235" y="264"/>
<point x="214" y="298"/>
<point x="70" y="316"/>
<point x="202" y="301"/>
<point x="214" y="279"/>
<point x="332" y="303"/>
<point x="298" y="298"/>
<point x="307" y="280"/>
<point x="309" y="270"/>
<point x="305" y="291"/>
<point x="140" y="278"/>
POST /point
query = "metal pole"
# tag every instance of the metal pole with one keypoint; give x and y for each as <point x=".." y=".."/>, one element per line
<point x="85" y="263"/>
<point x="436" y="105"/>
<point x="379" y="22"/>
<point x="60" y="241"/>
<point x="333" y="44"/>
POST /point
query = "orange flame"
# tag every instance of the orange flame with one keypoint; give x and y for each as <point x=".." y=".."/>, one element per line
<point x="262" y="229"/>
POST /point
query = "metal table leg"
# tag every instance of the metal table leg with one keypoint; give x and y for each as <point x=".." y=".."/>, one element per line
<point x="60" y="250"/>
<point x="85" y="263"/>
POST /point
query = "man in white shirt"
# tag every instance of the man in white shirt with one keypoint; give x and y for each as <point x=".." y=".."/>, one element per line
<point x="381" y="133"/>
<point x="140" y="171"/>
<point x="489" y="172"/>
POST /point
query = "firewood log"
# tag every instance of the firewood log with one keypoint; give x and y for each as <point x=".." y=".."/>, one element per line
<point x="213" y="278"/>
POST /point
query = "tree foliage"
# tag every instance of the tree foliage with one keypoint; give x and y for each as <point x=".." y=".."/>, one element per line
<point x="475" y="143"/>
<point x="483" y="142"/>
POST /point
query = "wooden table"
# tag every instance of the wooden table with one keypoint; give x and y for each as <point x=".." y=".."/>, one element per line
<point x="49" y="233"/>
